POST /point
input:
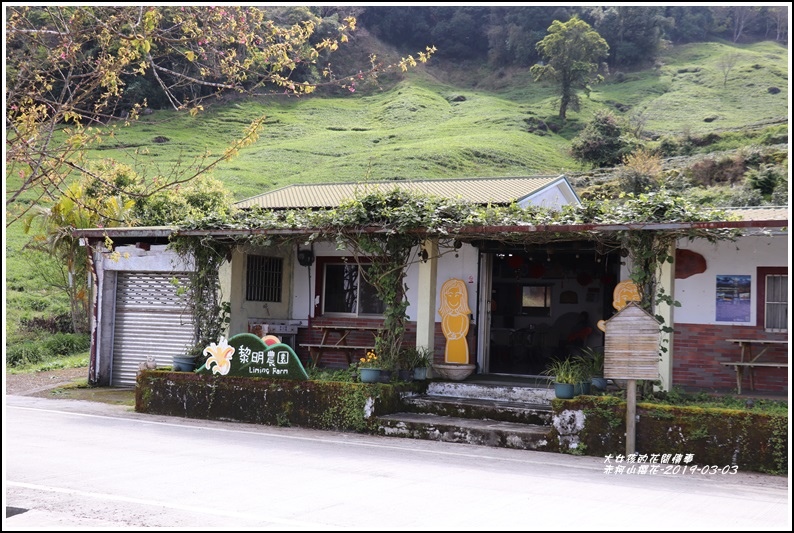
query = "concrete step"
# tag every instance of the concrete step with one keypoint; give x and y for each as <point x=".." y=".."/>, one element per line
<point x="535" y="395"/>
<point x="493" y="433"/>
<point x="475" y="408"/>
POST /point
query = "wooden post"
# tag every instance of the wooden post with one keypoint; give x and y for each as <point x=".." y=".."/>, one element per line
<point x="631" y="416"/>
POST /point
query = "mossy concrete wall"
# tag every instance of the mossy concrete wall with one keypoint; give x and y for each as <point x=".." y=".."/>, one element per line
<point x="329" y="405"/>
<point x="596" y="426"/>
<point x="586" y="425"/>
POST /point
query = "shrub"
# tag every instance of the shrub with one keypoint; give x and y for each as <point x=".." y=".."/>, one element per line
<point x="640" y="172"/>
<point x="780" y="196"/>
<point x="711" y="171"/>
<point x="601" y="142"/>
<point x="53" y="324"/>
<point x="764" y="179"/>
<point x="51" y="347"/>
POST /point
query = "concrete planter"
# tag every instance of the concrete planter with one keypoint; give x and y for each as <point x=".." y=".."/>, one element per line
<point x="453" y="371"/>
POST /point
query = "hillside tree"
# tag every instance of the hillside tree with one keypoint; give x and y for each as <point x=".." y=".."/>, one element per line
<point x="72" y="70"/>
<point x="574" y="50"/>
<point x="725" y="64"/>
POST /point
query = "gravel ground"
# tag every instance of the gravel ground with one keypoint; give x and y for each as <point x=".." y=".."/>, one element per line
<point x="34" y="383"/>
<point x="62" y="384"/>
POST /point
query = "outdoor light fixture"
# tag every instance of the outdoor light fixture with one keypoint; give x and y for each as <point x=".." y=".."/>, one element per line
<point x="305" y="257"/>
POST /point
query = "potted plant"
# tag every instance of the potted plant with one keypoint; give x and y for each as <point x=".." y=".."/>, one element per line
<point x="405" y="364"/>
<point x="369" y="368"/>
<point x="566" y="374"/>
<point x="187" y="362"/>
<point x="593" y="360"/>
<point x="413" y="363"/>
<point x="422" y="359"/>
<point x="583" y="370"/>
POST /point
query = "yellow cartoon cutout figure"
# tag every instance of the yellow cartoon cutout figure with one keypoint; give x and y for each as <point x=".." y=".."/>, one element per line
<point x="625" y="292"/>
<point x="455" y="313"/>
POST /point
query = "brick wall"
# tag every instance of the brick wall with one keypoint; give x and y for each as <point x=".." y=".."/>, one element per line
<point x="699" y="349"/>
<point x="336" y="359"/>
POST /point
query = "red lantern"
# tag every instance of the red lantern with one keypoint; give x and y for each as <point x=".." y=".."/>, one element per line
<point x="515" y="262"/>
<point x="536" y="270"/>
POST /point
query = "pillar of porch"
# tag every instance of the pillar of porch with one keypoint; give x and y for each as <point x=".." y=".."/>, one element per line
<point x="666" y="282"/>
<point x="426" y="305"/>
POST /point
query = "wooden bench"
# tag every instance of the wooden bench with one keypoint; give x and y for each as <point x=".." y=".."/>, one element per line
<point x="739" y="366"/>
<point x="316" y="350"/>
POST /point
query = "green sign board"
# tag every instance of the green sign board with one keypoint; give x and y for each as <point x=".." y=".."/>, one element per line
<point x="247" y="355"/>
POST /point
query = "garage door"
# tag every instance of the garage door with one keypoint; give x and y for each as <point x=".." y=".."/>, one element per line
<point x="151" y="319"/>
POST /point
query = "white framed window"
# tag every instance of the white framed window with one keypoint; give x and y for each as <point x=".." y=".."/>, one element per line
<point x="775" y="300"/>
<point x="772" y="309"/>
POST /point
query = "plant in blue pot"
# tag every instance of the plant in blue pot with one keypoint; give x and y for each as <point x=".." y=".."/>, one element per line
<point x="369" y="368"/>
<point x="566" y="374"/>
<point x="592" y="361"/>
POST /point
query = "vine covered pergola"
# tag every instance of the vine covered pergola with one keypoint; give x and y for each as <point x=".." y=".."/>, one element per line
<point x="383" y="228"/>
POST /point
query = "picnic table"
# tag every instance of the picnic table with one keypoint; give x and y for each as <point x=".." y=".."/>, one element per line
<point x="749" y="361"/>
<point x="335" y="338"/>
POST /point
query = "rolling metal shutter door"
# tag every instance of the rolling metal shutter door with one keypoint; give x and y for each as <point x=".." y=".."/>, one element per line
<point x="151" y="319"/>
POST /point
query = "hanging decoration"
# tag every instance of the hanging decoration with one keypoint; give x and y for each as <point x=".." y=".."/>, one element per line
<point x="515" y="262"/>
<point x="536" y="270"/>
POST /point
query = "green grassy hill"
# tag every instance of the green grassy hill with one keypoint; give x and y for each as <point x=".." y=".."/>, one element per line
<point x="440" y="121"/>
<point x="426" y="128"/>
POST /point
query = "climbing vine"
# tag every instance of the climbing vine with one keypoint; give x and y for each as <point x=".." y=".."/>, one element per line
<point x="210" y="314"/>
<point x="382" y="229"/>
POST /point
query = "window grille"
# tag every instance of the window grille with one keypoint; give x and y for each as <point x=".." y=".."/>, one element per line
<point x="263" y="278"/>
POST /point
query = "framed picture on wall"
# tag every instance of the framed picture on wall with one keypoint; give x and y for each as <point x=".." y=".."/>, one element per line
<point x="733" y="298"/>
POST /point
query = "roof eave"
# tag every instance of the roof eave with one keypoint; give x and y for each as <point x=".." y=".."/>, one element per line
<point x="164" y="232"/>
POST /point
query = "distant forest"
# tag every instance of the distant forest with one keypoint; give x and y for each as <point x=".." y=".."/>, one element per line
<point x="508" y="35"/>
<point x="496" y="36"/>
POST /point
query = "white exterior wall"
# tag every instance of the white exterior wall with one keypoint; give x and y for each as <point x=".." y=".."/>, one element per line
<point x="552" y="197"/>
<point x="463" y="267"/>
<point x="697" y="294"/>
<point x="157" y="259"/>
<point x="233" y="280"/>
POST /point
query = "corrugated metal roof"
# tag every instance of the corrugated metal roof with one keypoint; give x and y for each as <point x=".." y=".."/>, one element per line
<point x="765" y="212"/>
<point x="328" y="195"/>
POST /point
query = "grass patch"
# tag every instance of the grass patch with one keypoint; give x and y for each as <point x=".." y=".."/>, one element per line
<point x="77" y="360"/>
<point x="676" y="397"/>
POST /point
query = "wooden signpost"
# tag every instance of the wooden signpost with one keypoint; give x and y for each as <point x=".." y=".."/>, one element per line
<point x="631" y="352"/>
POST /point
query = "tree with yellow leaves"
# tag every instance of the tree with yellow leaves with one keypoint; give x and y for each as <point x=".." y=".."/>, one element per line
<point x="72" y="69"/>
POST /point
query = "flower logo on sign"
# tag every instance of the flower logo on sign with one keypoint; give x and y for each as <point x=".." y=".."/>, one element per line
<point x="220" y="357"/>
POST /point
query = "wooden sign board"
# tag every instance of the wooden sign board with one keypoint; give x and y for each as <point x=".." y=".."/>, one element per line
<point x="247" y="355"/>
<point x="631" y="344"/>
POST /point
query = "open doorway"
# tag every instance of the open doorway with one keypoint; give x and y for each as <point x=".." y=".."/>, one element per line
<point x="545" y="303"/>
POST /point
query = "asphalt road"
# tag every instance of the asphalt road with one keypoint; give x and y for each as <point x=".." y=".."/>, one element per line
<point x="86" y="465"/>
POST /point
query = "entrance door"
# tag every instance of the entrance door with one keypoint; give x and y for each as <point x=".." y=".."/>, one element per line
<point x="544" y="304"/>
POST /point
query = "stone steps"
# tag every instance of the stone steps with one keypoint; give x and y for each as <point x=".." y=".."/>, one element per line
<point x="465" y="430"/>
<point x="469" y="408"/>
<point x="498" y="414"/>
